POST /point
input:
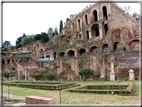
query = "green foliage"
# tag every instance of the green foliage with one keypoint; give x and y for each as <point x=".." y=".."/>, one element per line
<point x="18" y="41"/>
<point x="61" y="26"/>
<point x="67" y="19"/>
<point x="50" y="76"/>
<point x="6" y="74"/>
<point x="5" y="49"/>
<point x="86" y="72"/>
<point x="37" y="76"/>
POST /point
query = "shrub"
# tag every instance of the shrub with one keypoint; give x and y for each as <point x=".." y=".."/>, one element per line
<point x="37" y="76"/>
<point x="50" y="76"/>
<point x="6" y="74"/>
<point x="86" y="73"/>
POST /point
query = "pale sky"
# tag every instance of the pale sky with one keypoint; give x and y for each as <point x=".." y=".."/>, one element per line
<point x="34" y="18"/>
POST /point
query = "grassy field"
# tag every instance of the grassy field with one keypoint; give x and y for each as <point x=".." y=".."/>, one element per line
<point x="79" y="98"/>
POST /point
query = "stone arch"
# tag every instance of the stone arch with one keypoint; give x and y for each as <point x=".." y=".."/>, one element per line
<point x="105" y="47"/>
<point x="13" y="68"/>
<point x="62" y="54"/>
<point x="93" y="49"/>
<point x="134" y="44"/>
<point x="94" y="16"/>
<point x="116" y="34"/>
<point x="95" y="30"/>
<point x="115" y="44"/>
<point x="70" y="53"/>
<point x="104" y="8"/>
<point x="3" y="54"/>
<point x="82" y="51"/>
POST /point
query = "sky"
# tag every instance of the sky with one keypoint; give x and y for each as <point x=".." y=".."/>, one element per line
<point x="34" y="18"/>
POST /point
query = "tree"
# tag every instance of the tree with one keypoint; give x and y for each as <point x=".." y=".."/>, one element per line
<point x="50" y="32"/>
<point x="5" y="49"/>
<point x="37" y="76"/>
<point x="7" y="44"/>
<point x="45" y="37"/>
<point x="50" y="76"/>
<point x="56" y="31"/>
<point x="67" y="19"/>
<point x="6" y="75"/>
<point x="127" y="9"/>
<point x="61" y="26"/>
<point x="18" y="41"/>
<point x="86" y="73"/>
<point x="136" y="15"/>
<point x="38" y="37"/>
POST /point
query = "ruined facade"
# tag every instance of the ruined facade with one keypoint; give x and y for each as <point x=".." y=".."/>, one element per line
<point x="102" y="33"/>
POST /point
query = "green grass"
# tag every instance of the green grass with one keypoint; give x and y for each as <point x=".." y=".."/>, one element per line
<point x="77" y="98"/>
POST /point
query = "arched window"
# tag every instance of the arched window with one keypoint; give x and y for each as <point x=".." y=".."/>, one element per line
<point x="87" y="34"/>
<point x="95" y="16"/>
<point x="115" y="46"/>
<point x="106" y="28"/>
<point x="86" y="19"/>
<point x="54" y="55"/>
<point x="95" y="30"/>
<point x="104" y="12"/>
<point x="79" y="25"/>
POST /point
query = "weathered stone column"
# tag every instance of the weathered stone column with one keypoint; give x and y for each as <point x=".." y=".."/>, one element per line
<point x="131" y="74"/>
<point x="100" y="31"/>
<point x="18" y="75"/>
<point x="112" y="73"/>
<point x="25" y="75"/>
<point x="90" y="36"/>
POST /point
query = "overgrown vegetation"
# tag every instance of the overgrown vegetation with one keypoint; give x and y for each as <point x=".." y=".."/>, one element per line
<point x="37" y="76"/>
<point x="86" y="73"/>
<point x="50" y="76"/>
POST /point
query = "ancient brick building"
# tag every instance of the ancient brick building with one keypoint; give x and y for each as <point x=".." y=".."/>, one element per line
<point x="102" y="33"/>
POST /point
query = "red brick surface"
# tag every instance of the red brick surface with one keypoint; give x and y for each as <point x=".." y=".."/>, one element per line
<point x="39" y="100"/>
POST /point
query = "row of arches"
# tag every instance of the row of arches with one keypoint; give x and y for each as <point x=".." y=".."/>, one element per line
<point x="104" y="48"/>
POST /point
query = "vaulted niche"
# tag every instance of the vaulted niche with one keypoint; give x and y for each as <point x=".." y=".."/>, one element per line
<point x="93" y="49"/>
<point x="70" y="53"/>
<point x="62" y="54"/>
<point x="115" y="46"/>
<point x="105" y="48"/>
<point x="104" y="12"/>
<point x="82" y="51"/>
<point x="95" y="30"/>
<point x="95" y="16"/>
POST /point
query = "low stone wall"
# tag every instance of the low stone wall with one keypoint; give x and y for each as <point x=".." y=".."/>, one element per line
<point x="39" y="100"/>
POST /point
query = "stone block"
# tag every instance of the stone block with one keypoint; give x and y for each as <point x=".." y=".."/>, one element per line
<point x="39" y="100"/>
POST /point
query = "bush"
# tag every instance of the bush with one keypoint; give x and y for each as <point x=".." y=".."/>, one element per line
<point x="6" y="74"/>
<point x="86" y="72"/>
<point x="37" y="76"/>
<point x="50" y="76"/>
